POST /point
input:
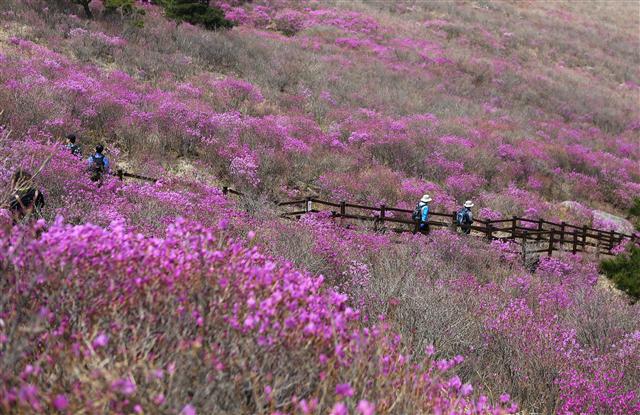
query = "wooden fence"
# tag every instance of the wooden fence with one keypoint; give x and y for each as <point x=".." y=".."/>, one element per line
<point x="121" y="174"/>
<point x="544" y="236"/>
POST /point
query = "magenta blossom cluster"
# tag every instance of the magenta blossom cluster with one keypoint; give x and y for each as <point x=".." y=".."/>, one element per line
<point x="119" y="321"/>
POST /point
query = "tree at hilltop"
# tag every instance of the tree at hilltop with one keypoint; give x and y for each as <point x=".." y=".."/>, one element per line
<point x="196" y="12"/>
<point x="85" y="5"/>
<point x="126" y="7"/>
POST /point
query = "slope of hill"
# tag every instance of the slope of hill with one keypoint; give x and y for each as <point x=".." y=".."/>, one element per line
<point x="520" y="106"/>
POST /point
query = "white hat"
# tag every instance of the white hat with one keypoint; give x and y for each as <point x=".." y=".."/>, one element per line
<point x="468" y="204"/>
<point x="426" y="199"/>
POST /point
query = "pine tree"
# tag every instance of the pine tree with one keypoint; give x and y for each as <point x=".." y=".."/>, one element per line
<point x="125" y="7"/>
<point x="85" y="6"/>
<point x="197" y="12"/>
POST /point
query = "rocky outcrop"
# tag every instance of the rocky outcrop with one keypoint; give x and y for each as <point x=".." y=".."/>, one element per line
<point x="608" y="221"/>
<point x="599" y="219"/>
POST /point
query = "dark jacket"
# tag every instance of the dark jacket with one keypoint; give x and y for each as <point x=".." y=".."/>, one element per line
<point x="465" y="216"/>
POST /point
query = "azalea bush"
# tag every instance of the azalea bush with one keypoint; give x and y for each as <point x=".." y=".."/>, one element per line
<point x="116" y="321"/>
<point x="114" y="305"/>
<point x="236" y="117"/>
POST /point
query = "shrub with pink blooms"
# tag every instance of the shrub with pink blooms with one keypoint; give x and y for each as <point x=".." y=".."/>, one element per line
<point x="121" y="307"/>
<point x="117" y="321"/>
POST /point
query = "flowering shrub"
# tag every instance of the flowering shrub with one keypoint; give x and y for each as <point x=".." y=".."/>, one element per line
<point x="211" y="306"/>
<point x="598" y="385"/>
<point x="377" y="103"/>
<point x="465" y="184"/>
<point x="235" y="91"/>
<point x="289" y="21"/>
<point x="245" y="168"/>
<point x="98" y="36"/>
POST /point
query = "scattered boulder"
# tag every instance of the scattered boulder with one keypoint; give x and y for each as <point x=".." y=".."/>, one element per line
<point x="598" y="218"/>
<point x="574" y="212"/>
<point x="611" y="222"/>
<point x="572" y="205"/>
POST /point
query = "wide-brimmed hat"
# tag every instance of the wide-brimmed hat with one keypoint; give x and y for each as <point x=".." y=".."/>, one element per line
<point x="468" y="204"/>
<point x="426" y="199"/>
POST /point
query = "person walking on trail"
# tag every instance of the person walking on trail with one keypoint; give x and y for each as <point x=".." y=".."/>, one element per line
<point x="72" y="146"/>
<point x="26" y="202"/>
<point x="465" y="217"/>
<point x="421" y="214"/>
<point x="98" y="164"/>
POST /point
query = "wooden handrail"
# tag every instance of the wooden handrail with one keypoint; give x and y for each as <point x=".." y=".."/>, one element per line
<point x="556" y="236"/>
<point x="556" y="239"/>
<point x="605" y="236"/>
<point x="121" y="174"/>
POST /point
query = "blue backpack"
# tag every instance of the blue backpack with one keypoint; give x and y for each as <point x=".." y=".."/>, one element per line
<point x="462" y="217"/>
<point x="417" y="213"/>
<point x="98" y="167"/>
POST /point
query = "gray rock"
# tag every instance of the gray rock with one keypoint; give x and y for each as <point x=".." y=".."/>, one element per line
<point x="572" y="205"/>
<point x="620" y="224"/>
<point x="598" y="217"/>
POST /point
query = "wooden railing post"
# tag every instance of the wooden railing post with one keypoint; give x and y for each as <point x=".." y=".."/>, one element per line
<point x="225" y="190"/>
<point x="551" y="238"/>
<point x="611" y="236"/>
<point x="383" y="213"/>
<point x="308" y="207"/>
<point x="120" y="174"/>
<point x="598" y="239"/>
<point x="540" y="227"/>
<point x="514" y="221"/>
<point x="454" y="221"/>
<point x="343" y="211"/>
<point x="524" y="247"/>
<point x="584" y="238"/>
<point x="575" y="241"/>
<point x="562" y="229"/>
<point x="489" y="230"/>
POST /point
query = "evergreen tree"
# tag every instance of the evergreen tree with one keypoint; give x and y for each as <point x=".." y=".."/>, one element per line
<point x="196" y="12"/>
<point x="85" y="6"/>
<point x="125" y="7"/>
<point x="624" y="271"/>
<point x="634" y="212"/>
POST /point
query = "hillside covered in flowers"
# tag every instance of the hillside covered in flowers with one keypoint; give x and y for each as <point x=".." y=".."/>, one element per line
<point x="174" y="298"/>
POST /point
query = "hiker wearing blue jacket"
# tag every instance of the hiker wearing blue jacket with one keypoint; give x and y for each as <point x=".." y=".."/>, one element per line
<point x="72" y="146"/>
<point x="98" y="164"/>
<point x="465" y="217"/>
<point x="421" y="214"/>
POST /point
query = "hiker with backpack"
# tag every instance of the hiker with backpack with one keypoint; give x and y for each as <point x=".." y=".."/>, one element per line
<point x="72" y="146"/>
<point x="26" y="202"/>
<point x="98" y="164"/>
<point x="464" y="217"/>
<point x="421" y="214"/>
